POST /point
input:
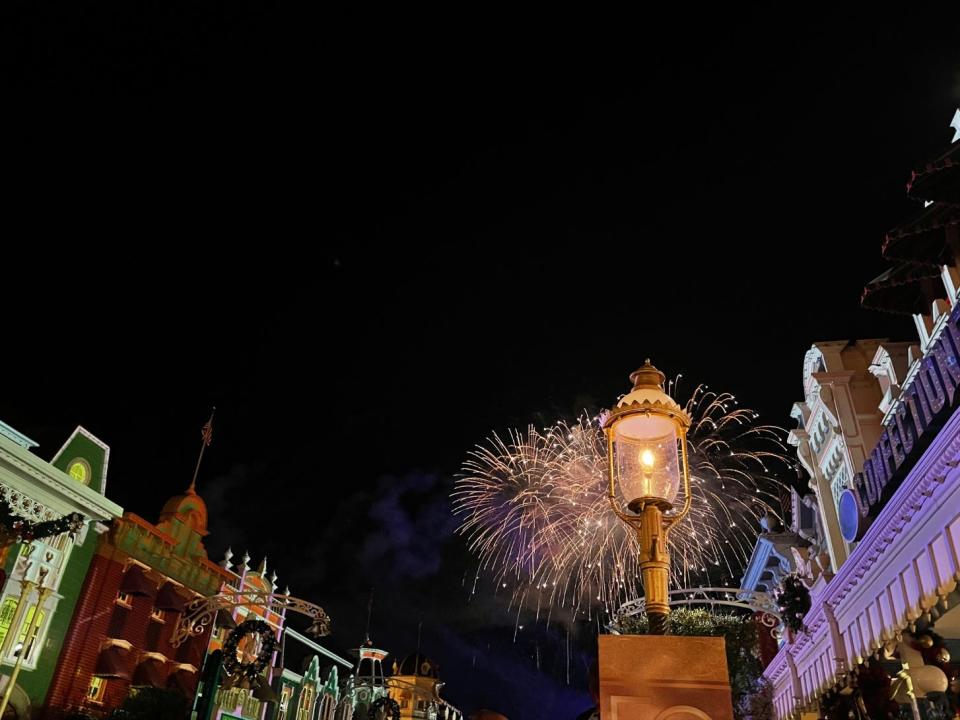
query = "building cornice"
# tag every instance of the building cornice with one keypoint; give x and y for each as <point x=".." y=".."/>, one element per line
<point x="18" y="437"/>
<point x="50" y="487"/>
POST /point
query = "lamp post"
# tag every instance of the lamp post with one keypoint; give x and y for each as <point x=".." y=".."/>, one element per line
<point x="43" y="593"/>
<point x="647" y="458"/>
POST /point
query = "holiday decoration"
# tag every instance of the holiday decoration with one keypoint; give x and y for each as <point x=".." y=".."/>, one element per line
<point x="866" y="697"/>
<point x="232" y="663"/>
<point x="16" y="528"/>
<point x="384" y="709"/>
<point x="933" y="649"/>
<point x="793" y="599"/>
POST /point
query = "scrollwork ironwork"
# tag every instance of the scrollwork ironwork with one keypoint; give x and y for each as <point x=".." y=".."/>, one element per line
<point x="200" y="613"/>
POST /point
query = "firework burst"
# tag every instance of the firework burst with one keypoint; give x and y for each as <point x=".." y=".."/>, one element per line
<point x="534" y="508"/>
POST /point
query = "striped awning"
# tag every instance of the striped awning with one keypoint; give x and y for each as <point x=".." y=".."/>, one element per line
<point x="150" y="672"/>
<point x="136" y="582"/>
<point x="169" y="599"/>
<point x="114" y="661"/>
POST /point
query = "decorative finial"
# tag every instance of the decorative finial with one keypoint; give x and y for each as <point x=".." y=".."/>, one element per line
<point x="245" y="560"/>
<point x="273" y="579"/>
<point x="647" y="377"/>
<point x="262" y="570"/>
<point x="225" y="563"/>
<point x="955" y="124"/>
<point x="286" y="590"/>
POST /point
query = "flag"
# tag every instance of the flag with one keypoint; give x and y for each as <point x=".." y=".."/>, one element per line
<point x="207" y="431"/>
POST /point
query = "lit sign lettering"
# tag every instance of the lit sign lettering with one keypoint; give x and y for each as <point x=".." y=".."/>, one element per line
<point x="923" y="406"/>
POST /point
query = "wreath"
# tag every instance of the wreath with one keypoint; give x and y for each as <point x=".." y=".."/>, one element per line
<point x="793" y="600"/>
<point x="252" y="669"/>
<point x="386" y="708"/>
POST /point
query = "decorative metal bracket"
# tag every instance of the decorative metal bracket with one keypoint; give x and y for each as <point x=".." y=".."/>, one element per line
<point x="755" y="601"/>
<point x="199" y="614"/>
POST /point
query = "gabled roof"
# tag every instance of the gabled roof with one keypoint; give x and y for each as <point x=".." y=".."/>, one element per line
<point x="83" y="432"/>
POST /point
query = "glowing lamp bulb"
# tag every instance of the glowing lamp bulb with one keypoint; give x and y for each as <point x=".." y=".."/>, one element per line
<point x="646" y="457"/>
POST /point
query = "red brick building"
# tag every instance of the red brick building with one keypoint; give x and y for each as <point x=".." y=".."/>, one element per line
<point x="138" y="582"/>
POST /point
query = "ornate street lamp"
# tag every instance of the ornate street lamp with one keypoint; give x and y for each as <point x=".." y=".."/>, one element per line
<point x="647" y="453"/>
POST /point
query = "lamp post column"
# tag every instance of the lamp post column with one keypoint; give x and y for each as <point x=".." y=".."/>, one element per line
<point x="654" y="567"/>
<point x="43" y="593"/>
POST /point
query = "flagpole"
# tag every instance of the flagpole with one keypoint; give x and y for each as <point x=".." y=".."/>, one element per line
<point x="366" y="639"/>
<point x="207" y="434"/>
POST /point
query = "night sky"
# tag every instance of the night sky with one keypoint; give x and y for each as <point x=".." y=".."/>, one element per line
<point x="370" y="240"/>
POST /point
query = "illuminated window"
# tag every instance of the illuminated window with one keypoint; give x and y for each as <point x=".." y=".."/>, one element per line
<point x="285" y="696"/>
<point x="22" y="638"/>
<point x="96" y="689"/>
<point x="79" y="470"/>
<point x="124" y="599"/>
<point x="306" y="704"/>
<point x="7" y="610"/>
<point x="157" y="614"/>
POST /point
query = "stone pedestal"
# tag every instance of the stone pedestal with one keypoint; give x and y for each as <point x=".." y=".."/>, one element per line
<point x="664" y="677"/>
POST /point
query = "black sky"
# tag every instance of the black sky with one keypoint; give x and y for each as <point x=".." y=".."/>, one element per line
<point x="371" y="239"/>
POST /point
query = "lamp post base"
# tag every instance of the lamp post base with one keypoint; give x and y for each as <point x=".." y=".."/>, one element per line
<point x="675" y="677"/>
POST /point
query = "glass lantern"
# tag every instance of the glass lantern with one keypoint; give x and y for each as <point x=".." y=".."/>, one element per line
<point x="647" y="458"/>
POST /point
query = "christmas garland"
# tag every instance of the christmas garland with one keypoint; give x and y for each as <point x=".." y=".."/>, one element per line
<point x="793" y="600"/>
<point x="385" y="708"/>
<point x="249" y="670"/>
<point x="21" y="529"/>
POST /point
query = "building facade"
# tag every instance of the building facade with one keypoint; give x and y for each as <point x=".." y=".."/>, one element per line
<point x="314" y="694"/>
<point x="120" y="637"/>
<point x="219" y="697"/>
<point x="42" y="575"/>
<point x="879" y="435"/>
<point x="415" y="686"/>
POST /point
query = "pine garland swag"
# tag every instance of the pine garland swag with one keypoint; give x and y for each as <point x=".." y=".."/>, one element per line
<point x="16" y="528"/>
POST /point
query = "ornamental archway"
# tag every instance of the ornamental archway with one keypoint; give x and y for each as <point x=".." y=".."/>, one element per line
<point x="199" y="614"/>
